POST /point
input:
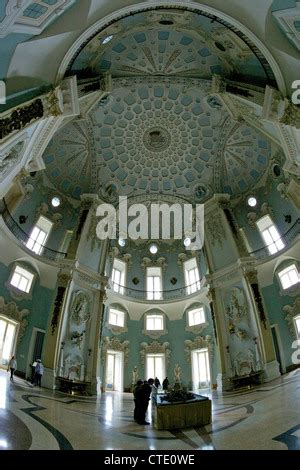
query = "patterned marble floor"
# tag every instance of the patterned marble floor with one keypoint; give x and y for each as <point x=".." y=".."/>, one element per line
<point x="267" y="417"/>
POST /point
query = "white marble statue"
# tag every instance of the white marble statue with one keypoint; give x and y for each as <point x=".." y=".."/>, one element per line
<point x="177" y="373"/>
<point x="135" y="375"/>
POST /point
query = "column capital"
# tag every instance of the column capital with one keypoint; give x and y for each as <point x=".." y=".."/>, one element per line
<point x="251" y="275"/>
<point x="63" y="278"/>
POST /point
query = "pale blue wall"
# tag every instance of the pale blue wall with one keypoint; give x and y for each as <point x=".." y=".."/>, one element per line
<point x="280" y="208"/>
<point x="176" y="337"/>
<point x="28" y="207"/>
<point x="274" y="301"/>
<point x="39" y="307"/>
<point x="173" y="269"/>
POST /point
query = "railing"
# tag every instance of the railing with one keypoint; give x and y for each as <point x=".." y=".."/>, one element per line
<point x="23" y="237"/>
<point x="286" y="240"/>
<point x="155" y="295"/>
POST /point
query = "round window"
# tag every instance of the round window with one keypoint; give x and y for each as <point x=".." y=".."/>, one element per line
<point x="252" y="201"/>
<point x="56" y="201"/>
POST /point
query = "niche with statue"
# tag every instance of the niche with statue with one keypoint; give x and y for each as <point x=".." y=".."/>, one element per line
<point x="244" y="358"/>
<point x="74" y="354"/>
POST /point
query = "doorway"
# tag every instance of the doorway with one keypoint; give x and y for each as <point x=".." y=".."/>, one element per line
<point x="155" y="366"/>
<point x="276" y="344"/>
<point x="8" y="331"/>
<point x="200" y="369"/>
<point x="35" y="350"/>
<point x="114" y="371"/>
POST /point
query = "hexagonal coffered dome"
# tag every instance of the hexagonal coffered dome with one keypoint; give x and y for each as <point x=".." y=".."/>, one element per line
<point x="160" y="136"/>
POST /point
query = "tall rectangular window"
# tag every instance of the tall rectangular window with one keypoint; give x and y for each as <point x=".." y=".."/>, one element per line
<point x="200" y="368"/>
<point x="118" y="276"/>
<point x="39" y="235"/>
<point x="289" y="276"/>
<point x="154" y="284"/>
<point x="155" y="366"/>
<point x="270" y="234"/>
<point x="22" y="279"/>
<point x="192" y="278"/>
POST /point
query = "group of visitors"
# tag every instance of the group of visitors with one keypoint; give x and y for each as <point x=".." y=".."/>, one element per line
<point x="142" y="392"/>
<point x="38" y="372"/>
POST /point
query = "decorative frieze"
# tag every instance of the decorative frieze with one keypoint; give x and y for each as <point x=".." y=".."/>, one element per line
<point x="155" y="348"/>
<point x="57" y="308"/>
<point x="259" y="303"/>
<point x="115" y="345"/>
<point x="21" y="117"/>
<point x="10" y="158"/>
<point x="148" y="262"/>
<point x="201" y="342"/>
<point x="215" y="227"/>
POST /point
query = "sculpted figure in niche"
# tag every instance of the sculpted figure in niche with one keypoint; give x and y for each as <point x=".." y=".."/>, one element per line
<point x="80" y="308"/>
<point x="237" y="308"/>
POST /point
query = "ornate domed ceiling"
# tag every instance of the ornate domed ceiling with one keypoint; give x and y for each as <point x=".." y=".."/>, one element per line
<point x="172" y="42"/>
<point x="161" y="131"/>
<point x="157" y="136"/>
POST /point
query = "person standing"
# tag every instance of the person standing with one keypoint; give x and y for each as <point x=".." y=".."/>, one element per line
<point x="136" y="397"/>
<point x="165" y="384"/>
<point x="12" y="366"/>
<point x="39" y="370"/>
<point x="143" y="397"/>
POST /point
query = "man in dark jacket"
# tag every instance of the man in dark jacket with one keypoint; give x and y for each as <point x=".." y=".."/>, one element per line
<point x="165" y="384"/>
<point x="143" y="397"/>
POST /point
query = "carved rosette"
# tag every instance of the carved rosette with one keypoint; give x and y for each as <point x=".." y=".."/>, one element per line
<point x="11" y="311"/>
<point x="201" y="342"/>
<point x="115" y="345"/>
<point x="291" y="311"/>
<point x="155" y="348"/>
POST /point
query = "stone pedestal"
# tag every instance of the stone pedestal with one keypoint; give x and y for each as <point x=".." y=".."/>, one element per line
<point x="223" y="383"/>
<point x="48" y="379"/>
<point x="271" y="371"/>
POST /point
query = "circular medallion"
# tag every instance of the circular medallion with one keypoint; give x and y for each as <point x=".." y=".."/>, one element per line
<point x="157" y="139"/>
